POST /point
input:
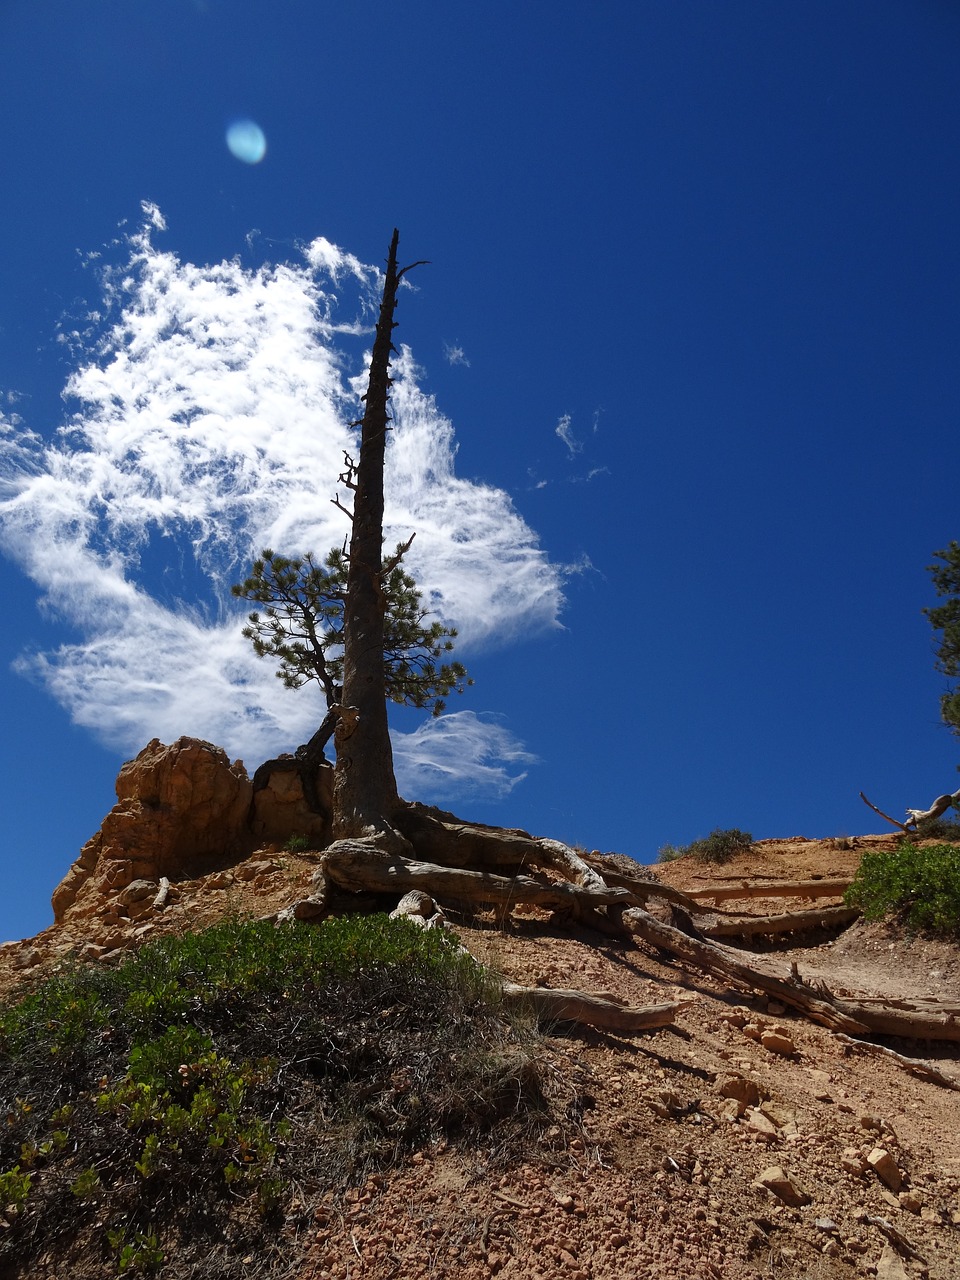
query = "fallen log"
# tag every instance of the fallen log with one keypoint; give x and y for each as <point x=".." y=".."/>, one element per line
<point x="876" y="1016"/>
<point x="834" y="888"/>
<point x="786" y="922"/>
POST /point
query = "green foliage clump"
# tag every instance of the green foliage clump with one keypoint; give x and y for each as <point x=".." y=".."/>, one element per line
<point x="718" y="847"/>
<point x="195" y="1084"/>
<point x="945" y="618"/>
<point x="919" y="886"/>
<point x="302" y="626"/>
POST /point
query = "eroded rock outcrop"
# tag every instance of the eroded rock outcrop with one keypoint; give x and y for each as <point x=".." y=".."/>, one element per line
<point x="176" y="805"/>
<point x="182" y="805"/>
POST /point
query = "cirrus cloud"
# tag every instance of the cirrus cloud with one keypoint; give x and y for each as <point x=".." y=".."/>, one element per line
<point x="209" y="418"/>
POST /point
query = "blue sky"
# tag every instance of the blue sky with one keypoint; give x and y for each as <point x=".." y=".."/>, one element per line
<point x="677" y="425"/>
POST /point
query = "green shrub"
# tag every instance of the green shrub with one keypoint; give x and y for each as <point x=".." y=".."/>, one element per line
<point x="206" y="1076"/>
<point x="719" y="846"/>
<point x="919" y="886"/>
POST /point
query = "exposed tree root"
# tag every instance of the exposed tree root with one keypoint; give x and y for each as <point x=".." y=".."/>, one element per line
<point x="915" y="1066"/>
<point x="855" y="1017"/>
<point x="464" y="866"/>
<point x="786" y="922"/>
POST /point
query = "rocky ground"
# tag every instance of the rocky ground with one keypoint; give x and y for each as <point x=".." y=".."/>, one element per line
<point x="710" y="1148"/>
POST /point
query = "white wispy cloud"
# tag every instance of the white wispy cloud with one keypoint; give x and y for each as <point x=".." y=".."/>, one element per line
<point x="209" y="420"/>
<point x="564" y="430"/>
<point x="476" y="753"/>
<point x="455" y="354"/>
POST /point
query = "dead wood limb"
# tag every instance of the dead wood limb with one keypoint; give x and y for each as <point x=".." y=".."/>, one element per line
<point x="873" y="1017"/>
<point x="160" y="901"/>
<point x="557" y="1004"/>
<point x="722" y="960"/>
<point x="443" y="838"/>
<point x="786" y="922"/>
<point x="936" y="810"/>
<point x="774" y="889"/>
<point x="420" y="909"/>
<point x="915" y="1066"/>
<point x="902" y="826"/>
<point x="360" y="866"/>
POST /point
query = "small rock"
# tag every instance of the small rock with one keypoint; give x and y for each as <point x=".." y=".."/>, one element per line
<point x="886" y="1168"/>
<point x="763" y="1126"/>
<point x="889" y="1266"/>
<point x="826" y="1224"/>
<point x="869" y="1121"/>
<point x="250" y="870"/>
<point x="731" y="1109"/>
<point x="909" y="1201"/>
<point x="853" y="1161"/>
<point x="752" y="1030"/>
<point x="776" y="1042"/>
<point x="776" y="1181"/>
<point x="744" y="1091"/>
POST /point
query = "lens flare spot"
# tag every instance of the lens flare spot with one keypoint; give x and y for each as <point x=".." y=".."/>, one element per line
<point x="246" y="141"/>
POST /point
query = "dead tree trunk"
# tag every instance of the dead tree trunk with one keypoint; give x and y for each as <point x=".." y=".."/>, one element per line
<point x="365" y="789"/>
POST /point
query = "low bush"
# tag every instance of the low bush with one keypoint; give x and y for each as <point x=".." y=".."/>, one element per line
<point x="718" y="847"/>
<point x="169" y="1106"/>
<point x="945" y="829"/>
<point x="919" y="886"/>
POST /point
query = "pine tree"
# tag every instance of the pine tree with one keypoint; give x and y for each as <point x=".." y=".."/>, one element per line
<point x="302" y="626"/>
<point x="945" y="618"/>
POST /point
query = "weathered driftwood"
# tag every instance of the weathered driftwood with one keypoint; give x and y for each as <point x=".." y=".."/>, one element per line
<point x="834" y="888"/>
<point x="786" y="922"/>
<point x="924" y="1021"/>
<point x="160" y="901"/>
<point x="606" y="1012"/>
